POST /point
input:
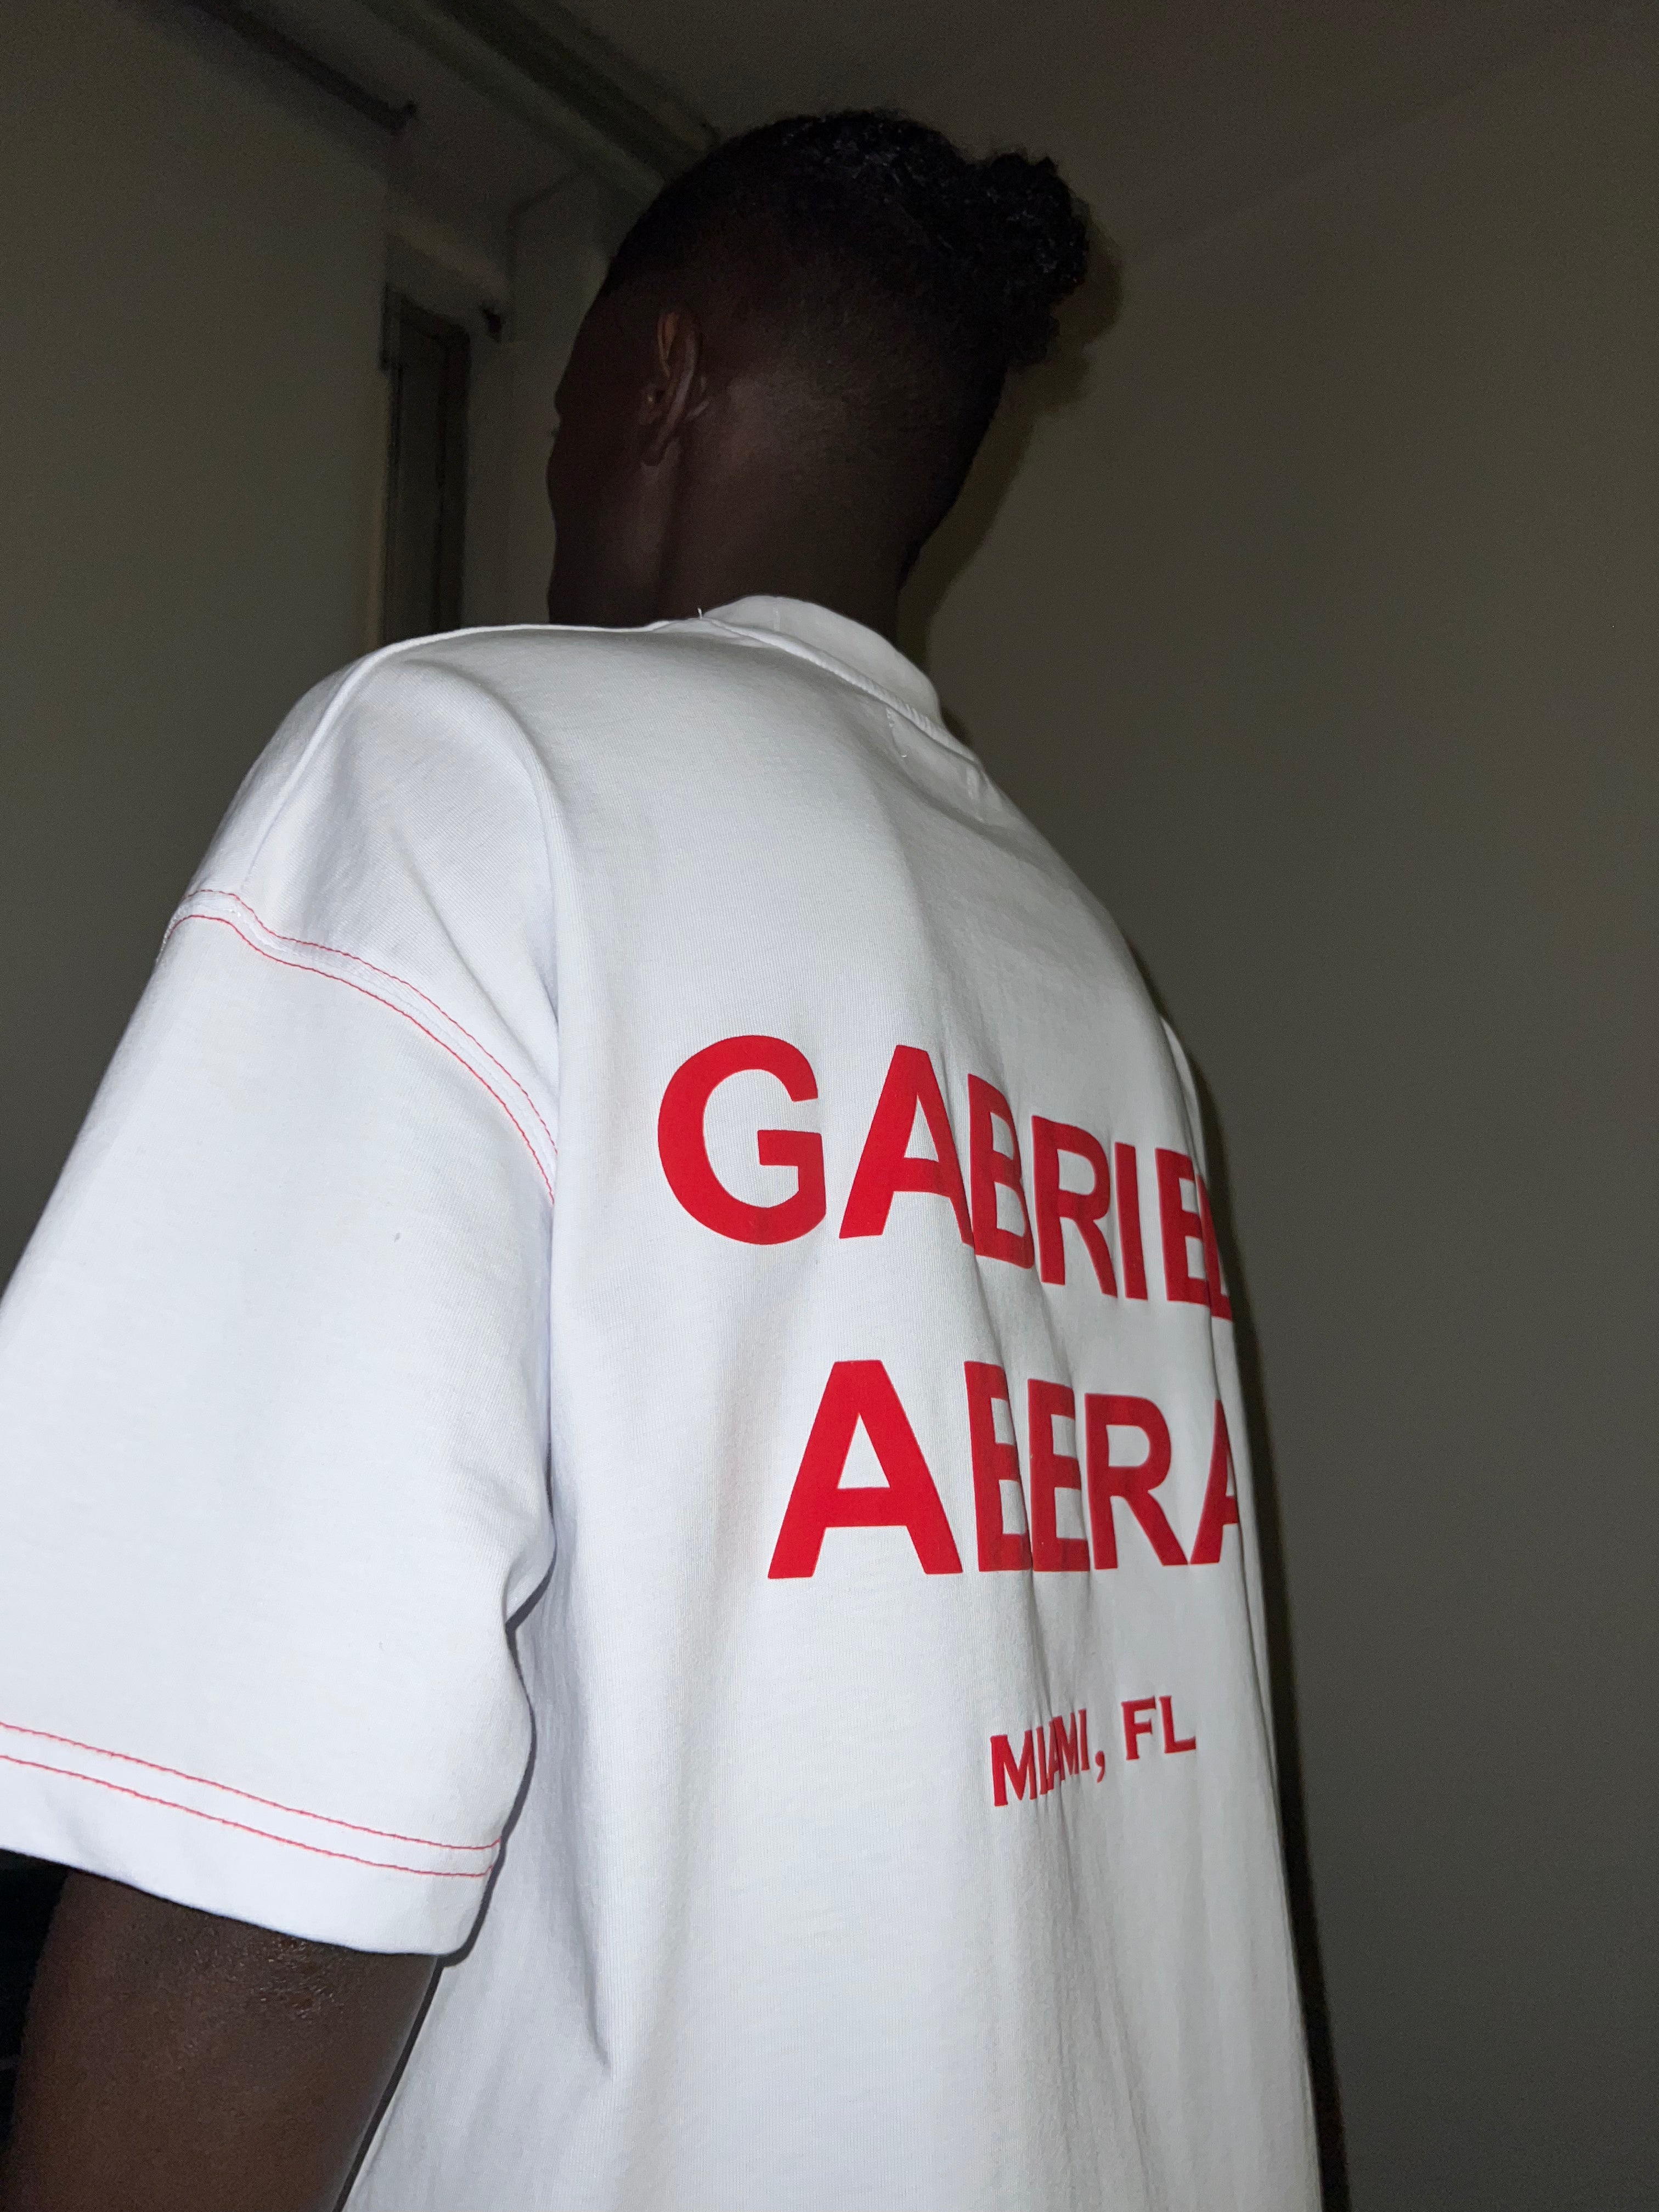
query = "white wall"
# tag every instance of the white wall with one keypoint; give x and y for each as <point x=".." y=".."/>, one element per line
<point x="1320" y="634"/>
<point x="444" y="269"/>
<point x="189" y="310"/>
<point x="562" y="247"/>
<point x="559" y="244"/>
<point x="193" y="450"/>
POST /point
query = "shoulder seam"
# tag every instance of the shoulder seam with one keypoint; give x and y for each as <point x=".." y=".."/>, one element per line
<point x="312" y="967"/>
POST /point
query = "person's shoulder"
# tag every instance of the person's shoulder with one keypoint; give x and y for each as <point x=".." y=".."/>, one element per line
<point x="551" y="680"/>
<point x="460" y="698"/>
<point x="510" y="705"/>
<point x="541" y="654"/>
<point x="427" y="734"/>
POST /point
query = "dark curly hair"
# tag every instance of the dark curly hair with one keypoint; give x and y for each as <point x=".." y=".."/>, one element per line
<point x="910" y="278"/>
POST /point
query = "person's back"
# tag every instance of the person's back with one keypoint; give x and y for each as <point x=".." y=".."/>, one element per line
<point x="683" y="1325"/>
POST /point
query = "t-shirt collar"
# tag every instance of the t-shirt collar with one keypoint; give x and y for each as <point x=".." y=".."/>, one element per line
<point x="836" y="638"/>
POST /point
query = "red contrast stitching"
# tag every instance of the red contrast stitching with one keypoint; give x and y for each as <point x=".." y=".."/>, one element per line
<point x="308" y="968"/>
<point x="387" y="1866"/>
<point x="275" y="1804"/>
<point x="311" y="945"/>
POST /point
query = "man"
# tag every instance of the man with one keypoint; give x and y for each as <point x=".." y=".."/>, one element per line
<point x="630" y="1387"/>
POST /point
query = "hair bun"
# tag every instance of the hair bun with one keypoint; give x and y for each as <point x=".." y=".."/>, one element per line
<point x="1034" y="248"/>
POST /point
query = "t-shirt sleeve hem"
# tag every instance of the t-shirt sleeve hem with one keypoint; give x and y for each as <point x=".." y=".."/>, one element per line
<point x="244" y="1859"/>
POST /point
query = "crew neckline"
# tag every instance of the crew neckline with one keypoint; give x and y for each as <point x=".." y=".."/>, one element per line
<point x="866" y="656"/>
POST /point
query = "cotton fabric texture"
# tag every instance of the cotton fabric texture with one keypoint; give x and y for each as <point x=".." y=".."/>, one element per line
<point x="628" y="1380"/>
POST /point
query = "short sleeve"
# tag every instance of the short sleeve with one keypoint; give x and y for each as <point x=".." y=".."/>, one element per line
<point x="273" y="1372"/>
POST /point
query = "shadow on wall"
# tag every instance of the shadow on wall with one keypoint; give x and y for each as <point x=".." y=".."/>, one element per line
<point x="1059" y="383"/>
<point x="1298" y="1871"/>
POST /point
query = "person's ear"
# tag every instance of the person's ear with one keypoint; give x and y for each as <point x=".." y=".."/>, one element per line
<point x="678" y="390"/>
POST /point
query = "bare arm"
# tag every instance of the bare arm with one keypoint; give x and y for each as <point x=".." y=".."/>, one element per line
<point x="173" y="2061"/>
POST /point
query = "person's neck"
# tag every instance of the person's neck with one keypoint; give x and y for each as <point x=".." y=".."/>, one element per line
<point x="700" y="586"/>
<point x="735" y="555"/>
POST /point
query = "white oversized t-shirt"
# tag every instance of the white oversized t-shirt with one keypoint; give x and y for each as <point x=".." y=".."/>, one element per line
<point x="630" y="1372"/>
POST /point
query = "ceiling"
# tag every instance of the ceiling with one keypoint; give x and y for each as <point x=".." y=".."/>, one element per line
<point x="1165" y="112"/>
<point x="463" y="159"/>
